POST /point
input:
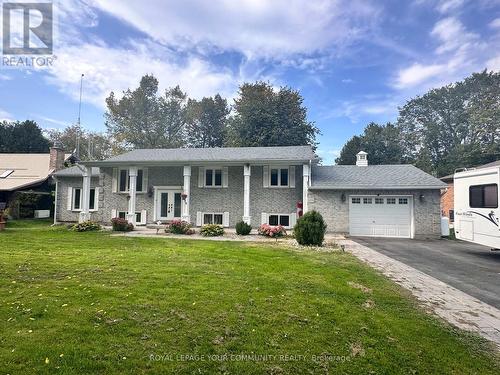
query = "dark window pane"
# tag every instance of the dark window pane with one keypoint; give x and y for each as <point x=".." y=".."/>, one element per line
<point x="177" y="205"/>
<point x="76" y="199"/>
<point x="163" y="204"/>
<point x="284" y="177"/>
<point x="139" y="180"/>
<point x="218" y="219"/>
<point x="273" y="219"/>
<point x="285" y="220"/>
<point x="274" y="177"/>
<point x="218" y="177"/>
<point x="207" y="219"/>
<point x="476" y="196"/>
<point x="121" y="214"/>
<point x="209" y="177"/>
<point x="92" y="199"/>
<point x="491" y="196"/>
<point x="452" y="215"/>
<point x="123" y="180"/>
<point x="138" y="217"/>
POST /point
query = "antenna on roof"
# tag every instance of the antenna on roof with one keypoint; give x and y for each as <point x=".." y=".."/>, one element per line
<point x="79" y="118"/>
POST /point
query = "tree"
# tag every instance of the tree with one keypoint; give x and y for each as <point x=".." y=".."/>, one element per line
<point x="22" y="137"/>
<point x="142" y="119"/>
<point x="206" y="122"/>
<point x="93" y="145"/>
<point x="267" y="117"/>
<point x="381" y="142"/>
<point x="454" y="126"/>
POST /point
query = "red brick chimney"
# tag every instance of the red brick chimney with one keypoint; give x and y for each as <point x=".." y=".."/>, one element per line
<point x="56" y="158"/>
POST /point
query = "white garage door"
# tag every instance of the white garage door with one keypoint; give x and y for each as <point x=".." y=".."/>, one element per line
<point x="382" y="216"/>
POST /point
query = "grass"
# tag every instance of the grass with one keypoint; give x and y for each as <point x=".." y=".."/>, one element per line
<point x="92" y="303"/>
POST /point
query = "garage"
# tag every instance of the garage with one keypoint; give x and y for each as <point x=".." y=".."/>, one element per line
<point x="380" y="216"/>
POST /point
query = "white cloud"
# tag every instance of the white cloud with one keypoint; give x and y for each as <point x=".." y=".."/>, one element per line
<point x="365" y="106"/>
<point x="53" y="121"/>
<point x="104" y="68"/>
<point x="452" y="35"/>
<point x="494" y="64"/>
<point x="5" y="77"/>
<point x="445" y="6"/>
<point x="253" y="27"/>
<point x="417" y="73"/>
<point x="5" y="116"/>
<point x="495" y="24"/>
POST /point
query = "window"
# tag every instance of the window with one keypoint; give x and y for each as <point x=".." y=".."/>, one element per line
<point x="403" y="200"/>
<point x="213" y="177"/>
<point x="138" y="216"/>
<point x="77" y="200"/>
<point x="379" y="200"/>
<point x="483" y="196"/>
<point x="6" y="173"/>
<point x="356" y="200"/>
<point x="279" y="177"/>
<point x="391" y="200"/>
<point x="124" y="181"/>
<point x="362" y="157"/>
<point x="283" y="220"/>
<point x="212" y="218"/>
<point x="367" y="201"/>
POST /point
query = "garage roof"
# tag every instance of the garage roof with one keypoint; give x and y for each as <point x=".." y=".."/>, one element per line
<point x="342" y="177"/>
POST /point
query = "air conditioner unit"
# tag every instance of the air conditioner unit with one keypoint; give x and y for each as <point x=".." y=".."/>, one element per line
<point x="42" y="214"/>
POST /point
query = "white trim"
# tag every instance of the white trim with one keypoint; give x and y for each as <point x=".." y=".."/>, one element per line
<point x="96" y="199"/>
<point x="145" y="179"/>
<point x="168" y="189"/>
<point x="291" y="176"/>
<point x="290" y="226"/>
<point x="114" y="181"/>
<point x="280" y="168"/>
<point x="213" y="169"/>
<point x="225" y="218"/>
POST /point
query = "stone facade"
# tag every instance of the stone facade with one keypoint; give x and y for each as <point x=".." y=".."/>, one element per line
<point x="269" y="200"/>
<point x="426" y="211"/>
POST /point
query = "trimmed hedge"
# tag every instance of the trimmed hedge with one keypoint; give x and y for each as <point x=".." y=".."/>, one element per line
<point x="121" y="225"/>
<point x="86" y="226"/>
<point x="310" y="229"/>
<point x="212" y="230"/>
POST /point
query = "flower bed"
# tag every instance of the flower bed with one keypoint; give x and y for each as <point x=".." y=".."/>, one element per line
<point x="273" y="231"/>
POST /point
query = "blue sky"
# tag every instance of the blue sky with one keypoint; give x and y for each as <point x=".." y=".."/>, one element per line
<point x="353" y="61"/>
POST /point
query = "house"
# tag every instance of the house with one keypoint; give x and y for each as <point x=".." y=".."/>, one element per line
<point x="447" y="197"/>
<point x="29" y="173"/>
<point x="254" y="184"/>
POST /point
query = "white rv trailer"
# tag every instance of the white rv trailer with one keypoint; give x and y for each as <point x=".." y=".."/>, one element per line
<point x="476" y="197"/>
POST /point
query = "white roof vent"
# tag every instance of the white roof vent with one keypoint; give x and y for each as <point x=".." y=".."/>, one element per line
<point x="362" y="159"/>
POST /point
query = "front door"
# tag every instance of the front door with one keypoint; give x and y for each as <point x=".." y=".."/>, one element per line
<point x="168" y="204"/>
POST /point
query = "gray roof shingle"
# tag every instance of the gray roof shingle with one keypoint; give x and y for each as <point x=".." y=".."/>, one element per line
<point x="74" y="171"/>
<point x="224" y="154"/>
<point x="404" y="176"/>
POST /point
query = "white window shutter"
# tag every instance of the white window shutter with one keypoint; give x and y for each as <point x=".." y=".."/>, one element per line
<point x="143" y="217"/>
<point x="201" y="177"/>
<point x="292" y="176"/>
<point x="114" y="182"/>
<point x="69" y="202"/>
<point x="225" y="219"/>
<point x="198" y="218"/>
<point x="114" y="214"/>
<point x="225" y="176"/>
<point x="293" y="219"/>
<point x="263" y="218"/>
<point x="144" y="180"/>
<point x="265" y="175"/>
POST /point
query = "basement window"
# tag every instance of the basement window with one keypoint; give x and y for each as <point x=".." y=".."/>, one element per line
<point x="283" y="220"/>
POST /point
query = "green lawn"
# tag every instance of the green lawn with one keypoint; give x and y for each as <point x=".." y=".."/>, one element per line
<point x="92" y="303"/>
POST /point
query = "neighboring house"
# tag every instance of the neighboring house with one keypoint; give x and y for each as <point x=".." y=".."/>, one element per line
<point x="254" y="184"/>
<point x="447" y="197"/>
<point x="29" y="173"/>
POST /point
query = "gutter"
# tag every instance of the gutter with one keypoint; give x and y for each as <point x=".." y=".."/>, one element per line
<point x="255" y="162"/>
<point x="423" y="187"/>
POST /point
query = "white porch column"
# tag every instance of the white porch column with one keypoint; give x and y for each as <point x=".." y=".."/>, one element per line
<point x="132" y="174"/>
<point x="246" y="193"/>
<point x="187" y="191"/>
<point x="305" y="186"/>
<point x="85" y="209"/>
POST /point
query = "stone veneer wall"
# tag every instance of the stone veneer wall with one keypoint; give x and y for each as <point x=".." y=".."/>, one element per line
<point x="426" y="213"/>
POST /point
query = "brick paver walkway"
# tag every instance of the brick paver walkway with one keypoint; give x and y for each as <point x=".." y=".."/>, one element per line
<point x="451" y="304"/>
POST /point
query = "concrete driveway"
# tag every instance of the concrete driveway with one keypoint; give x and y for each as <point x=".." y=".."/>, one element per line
<point x="471" y="268"/>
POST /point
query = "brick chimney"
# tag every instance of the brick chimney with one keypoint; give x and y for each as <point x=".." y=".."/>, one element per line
<point x="362" y="159"/>
<point x="56" y="158"/>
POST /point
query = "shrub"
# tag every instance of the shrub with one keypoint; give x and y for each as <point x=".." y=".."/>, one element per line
<point x="310" y="229"/>
<point x="121" y="225"/>
<point x="180" y="227"/>
<point x="273" y="231"/>
<point x="86" y="226"/>
<point x="243" y="228"/>
<point x="212" y="230"/>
